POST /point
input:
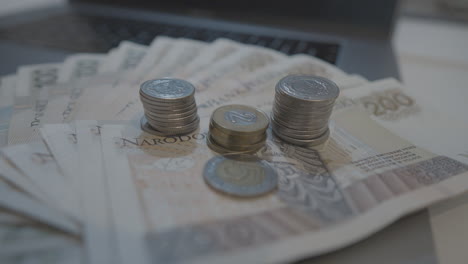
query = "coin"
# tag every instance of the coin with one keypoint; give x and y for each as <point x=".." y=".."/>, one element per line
<point x="237" y="146"/>
<point x="167" y="89"/>
<point x="236" y="139"/>
<point x="221" y="150"/>
<point x="308" y="88"/>
<point x="302" y="108"/>
<point x="240" y="120"/>
<point x="240" y="175"/>
<point x="170" y="107"/>
<point x="305" y="142"/>
<point x="146" y="127"/>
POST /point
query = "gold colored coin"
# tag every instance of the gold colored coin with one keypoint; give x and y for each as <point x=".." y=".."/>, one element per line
<point x="240" y="120"/>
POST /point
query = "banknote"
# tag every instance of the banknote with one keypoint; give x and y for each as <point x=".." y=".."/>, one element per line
<point x="12" y="200"/>
<point x="19" y="234"/>
<point x="14" y="177"/>
<point x="26" y="242"/>
<point x="98" y="224"/>
<point x="126" y="57"/>
<point x="156" y="50"/>
<point x="79" y="66"/>
<point x="7" y="100"/>
<point x="30" y="100"/>
<point x="62" y="143"/>
<point x="36" y="162"/>
<point x="245" y="60"/>
<point x="361" y="180"/>
<point x="207" y="56"/>
<point x="182" y="51"/>
<point x="404" y="111"/>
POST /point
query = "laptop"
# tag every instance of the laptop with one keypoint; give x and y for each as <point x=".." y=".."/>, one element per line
<point x="354" y="35"/>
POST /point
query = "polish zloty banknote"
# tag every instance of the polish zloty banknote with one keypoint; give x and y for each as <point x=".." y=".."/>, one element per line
<point x="80" y="66"/>
<point x="7" y="101"/>
<point x="361" y="180"/>
<point x="98" y="227"/>
<point x="246" y="60"/>
<point x="126" y="57"/>
<point x="61" y="107"/>
<point x="24" y="241"/>
<point x="404" y="111"/>
<point x="36" y="162"/>
<point x="19" y="235"/>
<point x="31" y="94"/>
<point x="18" y="202"/>
<point x="14" y="177"/>
<point x="207" y="56"/>
<point x="401" y="111"/>
<point x="156" y="50"/>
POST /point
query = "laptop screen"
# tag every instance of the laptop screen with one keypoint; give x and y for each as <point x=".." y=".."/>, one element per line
<point x="367" y="14"/>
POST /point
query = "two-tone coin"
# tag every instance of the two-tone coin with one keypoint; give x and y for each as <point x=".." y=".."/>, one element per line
<point x="238" y="128"/>
<point x="240" y="175"/>
<point x="302" y="108"/>
<point x="170" y="107"/>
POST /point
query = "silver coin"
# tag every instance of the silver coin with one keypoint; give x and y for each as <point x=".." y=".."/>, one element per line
<point x="305" y="136"/>
<point x="146" y="127"/>
<point x="167" y="89"/>
<point x="312" y="125"/>
<point x="301" y="116"/>
<point x="168" y="103"/>
<point x="240" y="175"/>
<point x="170" y="109"/>
<point x="308" y="88"/>
<point x="312" y="106"/>
<point x="287" y="130"/>
<point x="171" y="120"/>
<point x="176" y="129"/>
<point x="302" y="110"/>
<point x="154" y="130"/>
<point x="221" y="150"/>
<point x="304" y="142"/>
<point x="169" y="115"/>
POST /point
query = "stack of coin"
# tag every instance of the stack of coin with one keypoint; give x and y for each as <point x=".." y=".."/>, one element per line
<point x="237" y="128"/>
<point x="170" y="107"/>
<point x="302" y="108"/>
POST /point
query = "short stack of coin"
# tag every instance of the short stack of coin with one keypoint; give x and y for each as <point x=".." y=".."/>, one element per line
<point x="302" y="108"/>
<point x="237" y="128"/>
<point x="170" y="107"/>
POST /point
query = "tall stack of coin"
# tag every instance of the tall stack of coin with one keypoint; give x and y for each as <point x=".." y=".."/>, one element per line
<point x="302" y="108"/>
<point x="237" y="128"/>
<point x="170" y="107"/>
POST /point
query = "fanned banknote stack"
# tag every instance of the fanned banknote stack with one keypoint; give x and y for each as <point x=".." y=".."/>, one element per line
<point x="82" y="183"/>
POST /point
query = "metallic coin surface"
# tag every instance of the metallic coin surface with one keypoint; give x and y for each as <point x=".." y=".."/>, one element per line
<point x="176" y="128"/>
<point x="146" y="127"/>
<point x="236" y="139"/>
<point x="221" y="150"/>
<point x="240" y="119"/>
<point x="308" y="88"/>
<point x="167" y="89"/>
<point x="305" y="142"/>
<point x="240" y="175"/>
<point x="238" y="146"/>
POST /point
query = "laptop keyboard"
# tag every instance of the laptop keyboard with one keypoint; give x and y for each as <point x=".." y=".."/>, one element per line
<point x="99" y="34"/>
